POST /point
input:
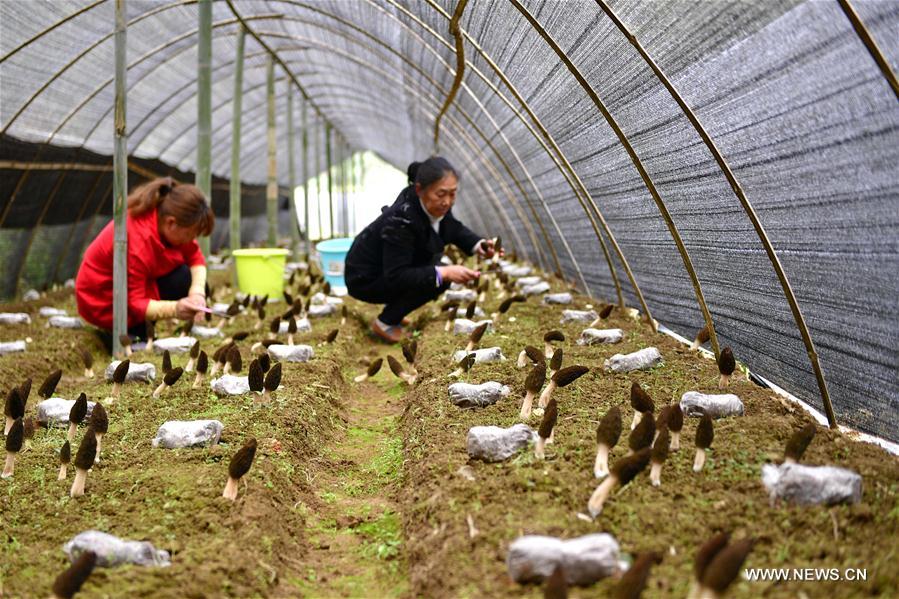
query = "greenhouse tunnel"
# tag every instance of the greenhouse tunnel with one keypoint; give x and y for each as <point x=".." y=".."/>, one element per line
<point x="654" y="153"/>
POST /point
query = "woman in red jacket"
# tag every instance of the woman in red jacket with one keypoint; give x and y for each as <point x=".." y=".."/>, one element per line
<point x="166" y="269"/>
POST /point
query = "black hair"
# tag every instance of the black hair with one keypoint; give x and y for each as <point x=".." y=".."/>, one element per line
<point x="411" y="171"/>
<point x="432" y="170"/>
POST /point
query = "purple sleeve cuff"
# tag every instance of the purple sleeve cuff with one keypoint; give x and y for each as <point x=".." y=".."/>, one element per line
<point x="439" y="278"/>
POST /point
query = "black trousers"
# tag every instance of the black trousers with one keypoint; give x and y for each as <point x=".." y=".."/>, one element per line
<point x="172" y="286"/>
<point x="398" y="302"/>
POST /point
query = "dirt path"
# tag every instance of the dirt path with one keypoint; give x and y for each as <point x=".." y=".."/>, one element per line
<point x="355" y="531"/>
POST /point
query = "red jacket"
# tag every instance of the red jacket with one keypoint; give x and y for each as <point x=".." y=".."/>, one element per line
<point x="148" y="259"/>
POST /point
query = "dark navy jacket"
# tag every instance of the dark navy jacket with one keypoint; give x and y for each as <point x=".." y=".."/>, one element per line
<point x="402" y="246"/>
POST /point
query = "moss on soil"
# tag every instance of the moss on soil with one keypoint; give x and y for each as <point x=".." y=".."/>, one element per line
<point x="356" y="488"/>
<point x="529" y="496"/>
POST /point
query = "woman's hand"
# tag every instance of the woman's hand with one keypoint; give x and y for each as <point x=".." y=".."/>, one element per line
<point x="198" y="300"/>
<point x="457" y="274"/>
<point x="186" y="308"/>
<point x="485" y="248"/>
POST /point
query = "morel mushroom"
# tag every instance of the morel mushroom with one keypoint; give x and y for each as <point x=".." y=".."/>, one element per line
<point x="623" y="472"/>
<point x="465" y="365"/>
<point x="556" y="586"/>
<point x="194" y="354"/>
<point x="702" y="336"/>
<point x="76" y="415"/>
<point x="87" y="358"/>
<point x="14" y="439"/>
<point x="331" y="336"/>
<point x="726" y="366"/>
<point x="530" y="353"/>
<point x="675" y="423"/>
<point x="272" y="380"/>
<point x="633" y="582"/>
<point x="373" y="369"/>
<point x="705" y="433"/>
<point x="704" y="556"/>
<point x="547" y="425"/>
<point x="475" y="337"/>
<point x="265" y="362"/>
<point x="469" y="310"/>
<point x="99" y="423"/>
<point x="274" y="328"/>
<point x="260" y="315"/>
<point x="659" y="455"/>
<point x="118" y="379"/>
<point x="25" y="391"/>
<point x="607" y="434"/>
<point x="171" y="377"/>
<point x="238" y="336"/>
<point x="604" y="313"/>
<point x="798" y="443"/>
<point x="532" y="385"/>
<point x="65" y="456"/>
<point x="724" y="568"/>
<point x="343" y="314"/>
<point x="13" y="409"/>
<point x="84" y="460"/>
<point x="49" y="385"/>
<point x="450" y="317"/>
<point x="291" y="330"/>
<point x="28" y="433"/>
<point x="563" y="378"/>
<point x="555" y="363"/>
<point x="166" y="361"/>
<point x="503" y="308"/>
<point x="642" y="436"/>
<point x="239" y="466"/>
<point x="550" y="338"/>
<point x="641" y="402"/>
<point x="125" y="342"/>
<point x="397" y="369"/>
<point x="255" y="377"/>
<point x="235" y="361"/>
<point x="202" y="367"/>
<point x="220" y="358"/>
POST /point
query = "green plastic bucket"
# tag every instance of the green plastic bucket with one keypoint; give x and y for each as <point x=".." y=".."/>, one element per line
<point x="260" y="271"/>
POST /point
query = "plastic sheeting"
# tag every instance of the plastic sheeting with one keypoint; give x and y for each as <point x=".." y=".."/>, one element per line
<point x="786" y="90"/>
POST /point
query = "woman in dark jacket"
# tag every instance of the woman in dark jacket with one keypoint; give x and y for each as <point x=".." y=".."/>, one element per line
<point x="396" y="259"/>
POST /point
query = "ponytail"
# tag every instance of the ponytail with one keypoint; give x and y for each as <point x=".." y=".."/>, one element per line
<point x="183" y="201"/>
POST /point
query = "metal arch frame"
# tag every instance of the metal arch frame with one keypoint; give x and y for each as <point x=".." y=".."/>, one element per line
<point x="44" y="32"/>
<point x="474" y="97"/>
<point x="136" y="82"/>
<point x="747" y="208"/>
<point x="64" y="252"/>
<point x="435" y="102"/>
<point x="638" y="164"/>
<point x="85" y="52"/>
<point x="547" y="140"/>
<point x="277" y="59"/>
<point x="406" y="84"/>
<point x="460" y="69"/>
<point x="184" y="3"/>
<point x="347" y="56"/>
<point x="355" y="41"/>
<point x="33" y="232"/>
<point x="868" y="40"/>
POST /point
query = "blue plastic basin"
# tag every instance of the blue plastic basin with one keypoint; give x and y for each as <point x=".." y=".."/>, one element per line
<point x="333" y="255"/>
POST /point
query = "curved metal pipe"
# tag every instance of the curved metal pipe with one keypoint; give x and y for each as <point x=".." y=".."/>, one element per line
<point x="547" y="140"/>
<point x="747" y="208"/>
<point x="460" y="69"/>
<point x="868" y="40"/>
